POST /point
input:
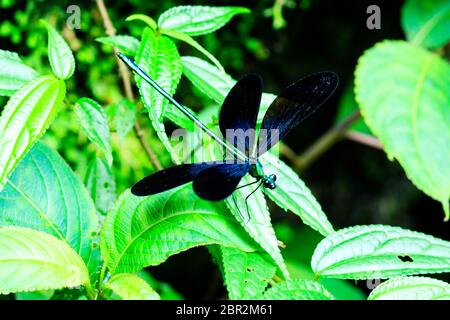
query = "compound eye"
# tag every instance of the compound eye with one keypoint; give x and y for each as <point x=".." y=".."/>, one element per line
<point x="273" y="177"/>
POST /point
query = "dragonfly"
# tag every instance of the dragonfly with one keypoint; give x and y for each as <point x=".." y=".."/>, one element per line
<point x="217" y="180"/>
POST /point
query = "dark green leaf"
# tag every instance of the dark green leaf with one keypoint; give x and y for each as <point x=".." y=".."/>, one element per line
<point x="427" y="22"/>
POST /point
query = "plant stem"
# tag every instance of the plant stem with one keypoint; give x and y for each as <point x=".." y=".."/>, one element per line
<point x="366" y="139"/>
<point x="126" y="81"/>
<point x="325" y="142"/>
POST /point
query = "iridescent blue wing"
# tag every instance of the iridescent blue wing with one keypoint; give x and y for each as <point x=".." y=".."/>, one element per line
<point x="169" y="178"/>
<point x="293" y="105"/>
<point x="237" y="119"/>
<point x="218" y="182"/>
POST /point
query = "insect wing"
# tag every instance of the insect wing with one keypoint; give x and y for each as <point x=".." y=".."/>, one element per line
<point x="169" y="178"/>
<point x="218" y="182"/>
<point x="237" y="119"/>
<point x="293" y="105"/>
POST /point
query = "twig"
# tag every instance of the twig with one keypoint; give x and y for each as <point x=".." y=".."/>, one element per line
<point x="324" y="143"/>
<point x="126" y="81"/>
<point x="366" y="139"/>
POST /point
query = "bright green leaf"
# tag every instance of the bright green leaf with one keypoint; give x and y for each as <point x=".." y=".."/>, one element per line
<point x="189" y="40"/>
<point x="99" y="180"/>
<point x="292" y="194"/>
<point x="59" y="54"/>
<point x="130" y="287"/>
<point x="297" y="289"/>
<point x="14" y="74"/>
<point x="142" y="17"/>
<point x="127" y="44"/>
<point x="32" y="260"/>
<point x="207" y="78"/>
<point x="145" y="231"/>
<point x="94" y="121"/>
<point x="411" y="288"/>
<point x="25" y="118"/>
<point x="158" y="57"/>
<point x="404" y="95"/>
<point x="246" y="274"/>
<point x="379" y="252"/>
<point x="198" y="20"/>
<point x="44" y="194"/>
<point x="427" y="22"/>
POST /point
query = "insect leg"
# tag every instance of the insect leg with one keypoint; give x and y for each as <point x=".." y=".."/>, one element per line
<point x="246" y="185"/>
<point x="246" y="200"/>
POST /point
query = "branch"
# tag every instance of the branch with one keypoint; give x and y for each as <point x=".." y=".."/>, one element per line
<point x="366" y="139"/>
<point x="325" y="142"/>
<point x="126" y="82"/>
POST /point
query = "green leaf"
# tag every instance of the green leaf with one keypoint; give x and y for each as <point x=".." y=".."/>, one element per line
<point x="25" y="118"/>
<point x="292" y="194"/>
<point x="94" y="121"/>
<point x="130" y="287"/>
<point x="411" y="288"/>
<point x="214" y="83"/>
<point x="404" y="93"/>
<point x="189" y="40"/>
<point x="426" y="22"/>
<point x="246" y="274"/>
<point x="122" y="116"/>
<point x="44" y="194"/>
<point x="14" y="74"/>
<point x="207" y="78"/>
<point x="297" y="289"/>
<point x="145" y="231"/>
<point x="127" y="44"/>
<point x="32" y="260"/>
<point x="146" y="19"/>
<point x="257" y="220"/>
<point x="99" y="180"/>
<point x="379" y="252"/>
<point x="198" y="20"/>
<point x="158" y="57"/>
<point x="59" y="54"/>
